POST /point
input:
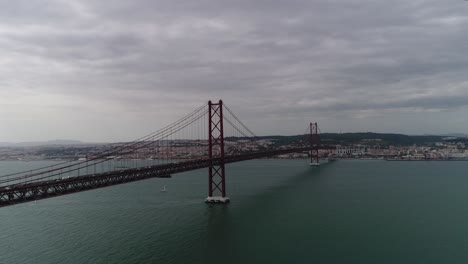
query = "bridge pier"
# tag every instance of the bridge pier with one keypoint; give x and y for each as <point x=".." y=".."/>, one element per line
<point x="217" y="200"/>
<point x="216" y="169"/>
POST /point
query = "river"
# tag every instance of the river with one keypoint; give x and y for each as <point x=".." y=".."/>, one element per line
<point x="281" y="211"/>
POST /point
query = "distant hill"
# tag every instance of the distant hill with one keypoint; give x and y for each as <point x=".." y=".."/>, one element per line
<point x="367" y="138"/>
<point x="380" y="139"/>
<point x="455" y="135"/>
<point x="41" y="143"/>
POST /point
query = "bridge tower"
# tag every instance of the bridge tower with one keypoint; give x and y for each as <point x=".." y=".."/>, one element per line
<point x="216" y="170"/>
<point x="314" y="145"/>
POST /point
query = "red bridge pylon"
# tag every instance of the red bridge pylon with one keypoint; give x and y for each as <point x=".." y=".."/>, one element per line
<point x="216" y="170"/>
<point x="314" y="144"/>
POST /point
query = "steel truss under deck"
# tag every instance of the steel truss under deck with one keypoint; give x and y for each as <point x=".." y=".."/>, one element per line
<point x="21" y="193"/>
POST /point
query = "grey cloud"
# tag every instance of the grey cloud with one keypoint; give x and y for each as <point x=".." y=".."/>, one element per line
<point x="334" y="61"/>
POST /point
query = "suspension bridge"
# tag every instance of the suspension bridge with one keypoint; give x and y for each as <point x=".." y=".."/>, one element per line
<point x="209" y="137"/>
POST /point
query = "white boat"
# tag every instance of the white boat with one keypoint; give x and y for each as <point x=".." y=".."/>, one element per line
<point x="163" y="189"/>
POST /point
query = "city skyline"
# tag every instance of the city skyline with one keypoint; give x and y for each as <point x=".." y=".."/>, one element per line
<point x="107" y="72"/>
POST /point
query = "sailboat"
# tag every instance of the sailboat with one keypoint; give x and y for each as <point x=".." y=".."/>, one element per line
<point x="163" y="189"/>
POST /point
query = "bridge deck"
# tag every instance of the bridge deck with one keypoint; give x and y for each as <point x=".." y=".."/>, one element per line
<point x="21" y="193"/>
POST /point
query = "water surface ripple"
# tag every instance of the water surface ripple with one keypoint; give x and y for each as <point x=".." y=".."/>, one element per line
<point x="282" y="211"/>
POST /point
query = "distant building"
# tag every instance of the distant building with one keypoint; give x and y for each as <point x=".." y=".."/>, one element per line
<point x="355" y="151"/>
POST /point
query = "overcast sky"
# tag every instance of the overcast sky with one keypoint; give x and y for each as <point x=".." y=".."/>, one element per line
<point x="115" y="70"/>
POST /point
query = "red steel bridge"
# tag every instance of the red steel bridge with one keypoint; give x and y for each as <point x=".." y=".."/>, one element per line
<point x="209" y="137"/>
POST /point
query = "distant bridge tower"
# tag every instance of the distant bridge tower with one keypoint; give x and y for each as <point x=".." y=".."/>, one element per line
<point x="314" y="145"/>
<point x="216" y="170"/>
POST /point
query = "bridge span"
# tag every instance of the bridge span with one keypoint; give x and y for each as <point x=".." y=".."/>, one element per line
<point x="48" y="182"/>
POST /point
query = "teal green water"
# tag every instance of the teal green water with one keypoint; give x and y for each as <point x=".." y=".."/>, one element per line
<point x="282" y="211"/>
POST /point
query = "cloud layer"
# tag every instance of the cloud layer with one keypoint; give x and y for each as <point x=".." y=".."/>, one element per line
<point x="79" y="69"/>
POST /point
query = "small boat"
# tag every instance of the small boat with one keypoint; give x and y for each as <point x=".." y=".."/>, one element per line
<point x="163" y="189"/>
